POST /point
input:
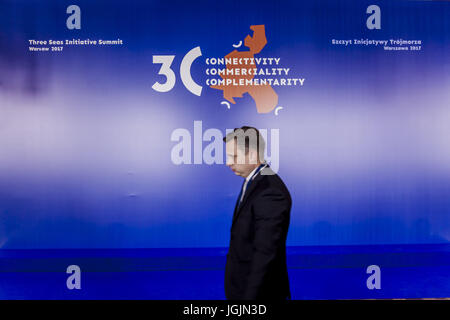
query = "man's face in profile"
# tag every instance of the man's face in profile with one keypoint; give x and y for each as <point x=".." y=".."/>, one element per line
<point x="240" y="163"/>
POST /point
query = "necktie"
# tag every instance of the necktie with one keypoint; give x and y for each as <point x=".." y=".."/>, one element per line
<point x="246" y="182"/>
<point x="241" y="195"/>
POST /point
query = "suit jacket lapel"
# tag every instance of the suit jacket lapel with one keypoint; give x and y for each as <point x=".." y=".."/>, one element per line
<point x="247" y="194"/>
<point x="235" y="209"/>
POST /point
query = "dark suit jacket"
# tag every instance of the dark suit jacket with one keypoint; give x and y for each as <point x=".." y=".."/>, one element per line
<point x="256" y="260"/>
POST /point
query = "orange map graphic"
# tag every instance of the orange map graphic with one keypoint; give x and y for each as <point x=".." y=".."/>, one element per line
<point x="264" y="96"/>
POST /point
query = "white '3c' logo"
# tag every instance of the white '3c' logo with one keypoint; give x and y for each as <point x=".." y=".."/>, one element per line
<point x="185" y="72"/>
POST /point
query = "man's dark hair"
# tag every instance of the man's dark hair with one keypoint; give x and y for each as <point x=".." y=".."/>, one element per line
<point x="248" y="133"/>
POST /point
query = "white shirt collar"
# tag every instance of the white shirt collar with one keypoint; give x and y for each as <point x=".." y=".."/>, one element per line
<point x="253" y="172"/>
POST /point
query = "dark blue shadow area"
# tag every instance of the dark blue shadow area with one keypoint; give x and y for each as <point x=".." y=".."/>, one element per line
<point x="319" y="272"/>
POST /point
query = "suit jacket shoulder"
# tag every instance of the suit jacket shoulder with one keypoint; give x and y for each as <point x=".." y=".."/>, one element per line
<point x="270" y="183"/>
<point x="267" y="189"/>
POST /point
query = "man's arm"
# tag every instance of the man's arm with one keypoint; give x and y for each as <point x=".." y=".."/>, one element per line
<point x="271" y="212"/>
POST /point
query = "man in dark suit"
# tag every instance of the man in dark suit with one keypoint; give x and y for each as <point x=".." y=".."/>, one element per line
<point x="256" y="260"/>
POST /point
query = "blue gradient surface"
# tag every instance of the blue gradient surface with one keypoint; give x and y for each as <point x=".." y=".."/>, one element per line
<point x="85" y="141"/>
<point x="319" y="272"/>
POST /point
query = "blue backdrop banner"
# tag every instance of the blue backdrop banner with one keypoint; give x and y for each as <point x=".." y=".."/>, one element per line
<point x="112" y="115"/>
